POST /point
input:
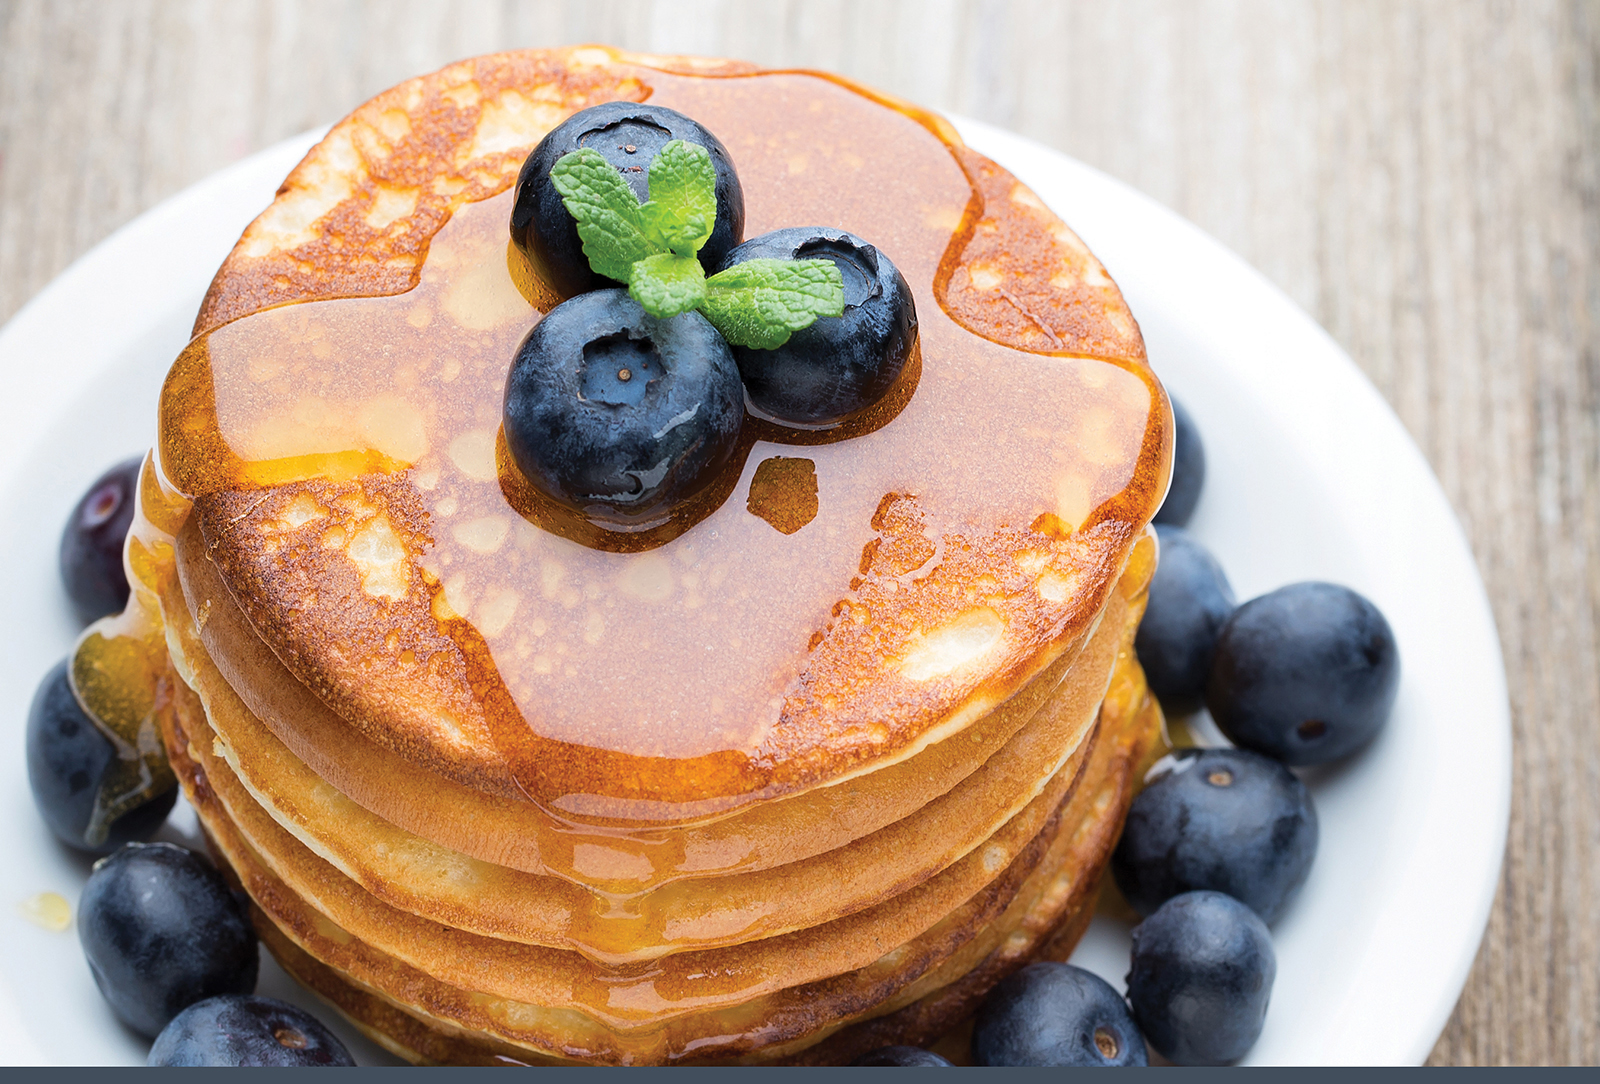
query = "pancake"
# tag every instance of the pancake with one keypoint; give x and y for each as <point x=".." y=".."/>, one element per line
<point x="420" y="876"/>
<point x="936" y="982"/>
<point x="504" y="785"/>
<point x="517" y="835"/>
<point x="538" y="981"/>
<point x="415" y="953"/>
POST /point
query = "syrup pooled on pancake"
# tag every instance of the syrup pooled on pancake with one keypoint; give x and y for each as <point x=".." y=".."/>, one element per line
<point x="342" y="456"/>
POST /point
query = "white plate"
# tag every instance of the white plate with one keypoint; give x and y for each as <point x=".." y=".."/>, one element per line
<point x="1310" y="476"/>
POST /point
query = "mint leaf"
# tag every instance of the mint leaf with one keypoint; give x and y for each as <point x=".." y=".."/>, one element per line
<point x="652" y="247"/>
<point x="608" y="213"/>
<point x="760" y="303"/>
<point x="683" y="197"/>
<point x="666" y="285"/>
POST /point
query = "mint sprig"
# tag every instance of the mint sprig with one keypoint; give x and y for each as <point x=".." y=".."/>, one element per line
<point x="653" y="247"/>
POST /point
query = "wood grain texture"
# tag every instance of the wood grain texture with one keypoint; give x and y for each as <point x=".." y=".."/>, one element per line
<point x="1424" y="178"/>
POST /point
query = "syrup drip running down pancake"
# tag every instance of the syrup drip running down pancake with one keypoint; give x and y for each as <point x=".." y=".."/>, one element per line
<point x="342" y="456"/>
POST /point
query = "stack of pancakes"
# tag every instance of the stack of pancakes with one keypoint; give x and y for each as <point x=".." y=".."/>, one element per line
<point x="930" y="804"/>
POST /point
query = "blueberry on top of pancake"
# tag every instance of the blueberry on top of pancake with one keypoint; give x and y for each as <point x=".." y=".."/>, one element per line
<point x="620" y="415"/>
<point x="836" y="368"/>
<point x="628" y="135"/>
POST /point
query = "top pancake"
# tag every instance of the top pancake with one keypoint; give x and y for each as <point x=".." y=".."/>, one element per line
<point x="341" y="454"/>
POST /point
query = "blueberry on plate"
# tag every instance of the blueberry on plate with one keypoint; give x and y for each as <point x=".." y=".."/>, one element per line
<point x="237" y="1029"/>
<point x="70" y="760"/>
<point x="1189" y="602"/>
<point x="91" y="546"/>
<point x="1188" y="471"/>
<point x="1306" y="674"/>
<point x="161" y="932"/>
<point x="903" y="1056"/>
<point x="1055" y="1014"/>
<point x="628" y="135"/>
<point x="1222" y="819"/>
<point x="1202" y="974"/>
<point x="837" y="366"/>
<point x="618" y="415"/>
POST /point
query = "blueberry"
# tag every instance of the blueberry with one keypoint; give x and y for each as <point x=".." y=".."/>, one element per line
<point x="838" y="366"/>
<point x="91" y="546"/>
<point x="1222" y="819"/>
<point x="1055" y="1014"/>
<point x="1188" y="471"/>
<point x="903" y="1056"/>
<point x="618" y="415"/>
<point x="236" y="1029"/>
<point x="1202" y="974"/>
<point x="628" y="135"/>
<point x="1305" y="674"/>
<point x="1190" y="600"/>
<point x="161" y="932"/>
<point x="70" y="760"/>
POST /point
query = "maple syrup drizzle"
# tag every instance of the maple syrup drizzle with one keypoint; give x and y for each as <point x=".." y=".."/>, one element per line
<point x="684" y="651"/>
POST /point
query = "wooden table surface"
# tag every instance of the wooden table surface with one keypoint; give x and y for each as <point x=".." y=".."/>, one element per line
<point x="1423" y="178"/>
